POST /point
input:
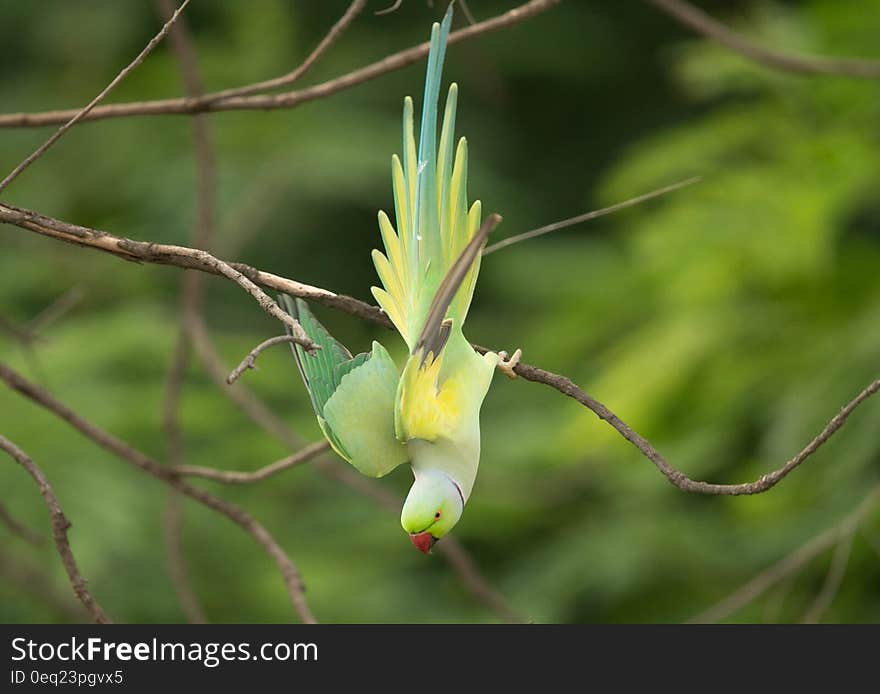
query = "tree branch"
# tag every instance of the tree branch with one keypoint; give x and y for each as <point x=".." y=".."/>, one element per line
<point x="83" y="112"/>
<point x="235" y="477"/>
<point x="160" y="253"/>
<point x="27" y="534"/>
<point x="119" y="448"/>
<point x="291" y="99"/>
<point x="587" y="216"/>
<point x="833" y="580"/>
<point x="676" y="477"/>
<point x="31" y="577"/>
<point x="701" y="23"/>
<point x="285" y="80"/>
<point x="249" y="362"/>
<point x="788" y="565"/>
<point x="60" y="525"/>
<point x="189" y="258"/>
<point x="191" y="298"/>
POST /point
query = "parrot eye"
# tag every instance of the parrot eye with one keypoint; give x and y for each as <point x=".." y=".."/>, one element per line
<point x="437" y="515"/>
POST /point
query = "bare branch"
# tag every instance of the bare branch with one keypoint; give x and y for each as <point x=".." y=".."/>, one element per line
<point x="192" y="293"/>
<point x="54" y="311"/>
<point x="191" y="258"/>
<point x="390" y="8"/>
<point x="284" y="80"/>
<point x="676" y="477"/>
<point x="60" y="524"/>
<point x="32" y="578"/>
<point x="463" y="564"/>
<point x="700" y="22"/>
<point x="235" y="477"/>
<point x="156" y="253"/>
<point x="249" y="362"/>
<point x="83" y="112"/>
<point x="587" y="216"/>
<point x="792" y="563"/>
<point x="16" y="528"/>
<point x="285" y="99"/>
<point x="833" y="580"/>
<point x="107" y="441"/>
<point x="243" y="398"/>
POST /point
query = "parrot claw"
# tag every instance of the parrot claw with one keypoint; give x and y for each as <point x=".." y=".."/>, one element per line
<point x="507" y="364"/>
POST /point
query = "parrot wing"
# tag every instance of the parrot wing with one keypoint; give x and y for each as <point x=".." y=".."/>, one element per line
<point x="353" y="397"/>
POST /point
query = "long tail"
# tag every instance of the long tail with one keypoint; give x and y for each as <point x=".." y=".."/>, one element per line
<point x="434" y="224"/>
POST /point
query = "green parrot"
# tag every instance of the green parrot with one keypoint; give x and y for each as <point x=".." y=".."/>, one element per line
<point x="373" y="414"/>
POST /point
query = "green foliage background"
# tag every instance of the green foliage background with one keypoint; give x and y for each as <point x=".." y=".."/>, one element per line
<point x="726" y="322"/>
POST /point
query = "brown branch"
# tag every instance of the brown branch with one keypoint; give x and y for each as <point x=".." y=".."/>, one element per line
<point x="286" y="99"/>
<point x="166" y="254"/>
<point x="792" y="563"/>
<point x="284" y="80"/>
<point x="188" y="258"/>
<point x="454" y="552"/>
<point x="27" y="534"/>
<point x="119" y="448"/>
<point x="249" y="362"/>
<point x="587" y="216"/>
<point x="83" y="112"/>
<point x="235" y="477"/>
<point x="243" y="398"/>
<point x="701" y="23"/>
<point x="676" y="477"/>
<point x="833" y="581"/>
<point x="53" y="312"/>
<point x="192" y="294"/>
<point x="32" y="578"/>
<point x="60" y="525"/>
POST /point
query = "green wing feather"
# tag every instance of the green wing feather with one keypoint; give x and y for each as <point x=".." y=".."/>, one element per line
<point x="353" y="397"/>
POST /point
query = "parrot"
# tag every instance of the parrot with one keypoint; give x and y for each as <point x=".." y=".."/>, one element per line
<point x="374" y="414"/>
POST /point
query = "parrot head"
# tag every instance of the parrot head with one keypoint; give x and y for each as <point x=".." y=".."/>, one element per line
<point x="432" y="508"/>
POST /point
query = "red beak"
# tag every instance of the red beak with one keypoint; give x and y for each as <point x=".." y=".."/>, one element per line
<point x="423" y="541"/>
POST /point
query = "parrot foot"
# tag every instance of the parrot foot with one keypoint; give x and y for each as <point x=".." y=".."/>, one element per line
<point x="507" y="364"/>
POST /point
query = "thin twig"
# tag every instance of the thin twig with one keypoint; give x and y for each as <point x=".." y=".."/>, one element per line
<point x="390" y="8"/>
<point x="453" y="551"/>
<point x="158" y="253"/>
<point x="700" y="22"/>
<point x="192" y="258"/>
<point x="191" y="298"/>
<point x="60" y="524"/>
<point x="285" y="99"/>
<point x="249" y="362"/>
<point x="833" y="580"/>
<point x="587" y="216"/>
<point x="31" y="577"/>
<point x="243" y="398"/>
<point x="285" y="80"/>
<point x="27" y="534"/>
<point x="676" y="477"/>
<point x="244" y="520"/>
<point x="83" y="112"/>
<point x="791" y="563"/>
<point x="235" y="477"/>
<point x="467" y="11"/>
<point x="54" y="311"/>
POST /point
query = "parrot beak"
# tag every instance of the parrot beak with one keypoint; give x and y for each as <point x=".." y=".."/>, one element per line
<point x="423" y="541"/>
